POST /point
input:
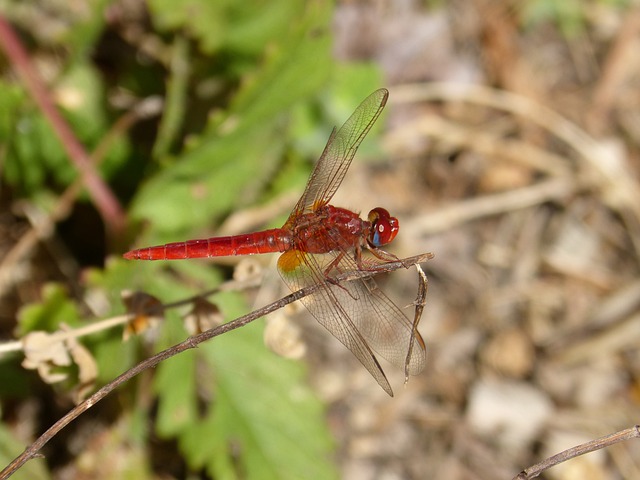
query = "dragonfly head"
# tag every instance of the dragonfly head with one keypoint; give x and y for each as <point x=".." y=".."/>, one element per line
<point x="384" y="227"/>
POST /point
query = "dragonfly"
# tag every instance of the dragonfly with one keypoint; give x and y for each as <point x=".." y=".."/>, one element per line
<point x="320" y="242"/>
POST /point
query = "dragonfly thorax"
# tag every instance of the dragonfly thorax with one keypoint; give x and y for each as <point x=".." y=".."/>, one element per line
<point x="328" y="229"/>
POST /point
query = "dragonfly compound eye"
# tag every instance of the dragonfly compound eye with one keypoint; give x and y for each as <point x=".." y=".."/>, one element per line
<point x="384" y="227"/>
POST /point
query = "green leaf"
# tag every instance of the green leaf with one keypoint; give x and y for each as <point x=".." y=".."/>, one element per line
<point x="241" y="26"/>
<point x="10" y="104"/>
<point x="54" y="308"/>
<point x="257" y="402"/>
<point x="312" y="124"/>
<point x="19" y="171"/>
<point x="206" y="182"/>
<point x="263" y="423"/>
<point x="113" y="354"/>
<point x="34" y="153"/>
<point x="238" y="154"/>
<point x="175" y="384"/>
<point x="296" y="69"/>
<point x="192" y="15"/>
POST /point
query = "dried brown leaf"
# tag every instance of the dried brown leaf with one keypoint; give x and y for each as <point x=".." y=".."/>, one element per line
<point x="203" y="316"/>
<point x="45" y="352"/>
<point x="87" y="368"/>
<point x="147" y="310"/>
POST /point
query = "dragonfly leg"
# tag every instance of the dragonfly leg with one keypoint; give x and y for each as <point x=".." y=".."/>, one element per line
<point x="379" y="254"/>
<point x="331" y="280"/>
<point x="386" y="256"/>
<point x="334" y="263"/>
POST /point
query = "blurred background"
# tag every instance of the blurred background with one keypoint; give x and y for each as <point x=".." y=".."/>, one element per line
<point x="509" y="148"/>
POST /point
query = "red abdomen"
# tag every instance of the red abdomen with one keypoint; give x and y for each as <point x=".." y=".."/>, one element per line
<point x="267" y="241"/>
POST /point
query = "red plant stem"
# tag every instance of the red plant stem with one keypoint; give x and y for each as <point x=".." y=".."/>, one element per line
<point x="104" y="200"/>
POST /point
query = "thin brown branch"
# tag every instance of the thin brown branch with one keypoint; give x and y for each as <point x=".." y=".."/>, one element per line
<point x="592" y="446"/>
<point x="90" y="328"/>
<point x="192" y="342"/>
<point x="106" y="203"/>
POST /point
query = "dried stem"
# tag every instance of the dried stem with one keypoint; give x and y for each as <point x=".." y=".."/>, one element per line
<point x="592" y="446"/>
<point x="420" y="302"/>
<point x="192" y="342"/>
<point x="105" y="201"/>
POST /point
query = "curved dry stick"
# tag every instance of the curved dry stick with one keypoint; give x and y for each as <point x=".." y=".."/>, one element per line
<point x="597" y="444"/>
<point x="192" y="342"/>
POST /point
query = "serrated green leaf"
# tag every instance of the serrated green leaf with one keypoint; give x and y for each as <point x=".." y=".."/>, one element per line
<point x="10" y="103"/>
<point x="258" y="22"/>
<point x="312" y="124"/>
<point x="32" y="152"/>
<point x="234" y="158"/>
<point x="113" y="354"/>
<point x="259" y="403"/>
<point x="206" y="182"/>
<point x="175" y="385"/>
<point x="263" y="423"/>
<point x="298" y="68"/>
<point x="174" y="14"/>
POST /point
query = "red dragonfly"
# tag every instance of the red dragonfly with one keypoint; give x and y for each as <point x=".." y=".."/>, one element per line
<point x="319" y="242"/>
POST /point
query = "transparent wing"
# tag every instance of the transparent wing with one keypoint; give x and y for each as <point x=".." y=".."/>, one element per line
<point x="338" y="153"/>
<point x="357" y="313"/>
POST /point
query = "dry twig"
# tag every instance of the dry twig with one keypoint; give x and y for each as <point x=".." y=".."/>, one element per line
<point x="597" y="444"/>
<point x="192" y="342"/>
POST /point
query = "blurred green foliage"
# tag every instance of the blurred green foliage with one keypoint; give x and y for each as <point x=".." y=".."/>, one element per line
<point x="55" y="308"/>
<point x="571" y="16"/>
<point x="246" y="115"/>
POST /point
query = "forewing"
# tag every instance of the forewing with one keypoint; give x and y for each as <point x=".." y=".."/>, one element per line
<point x="338" y="153"/>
